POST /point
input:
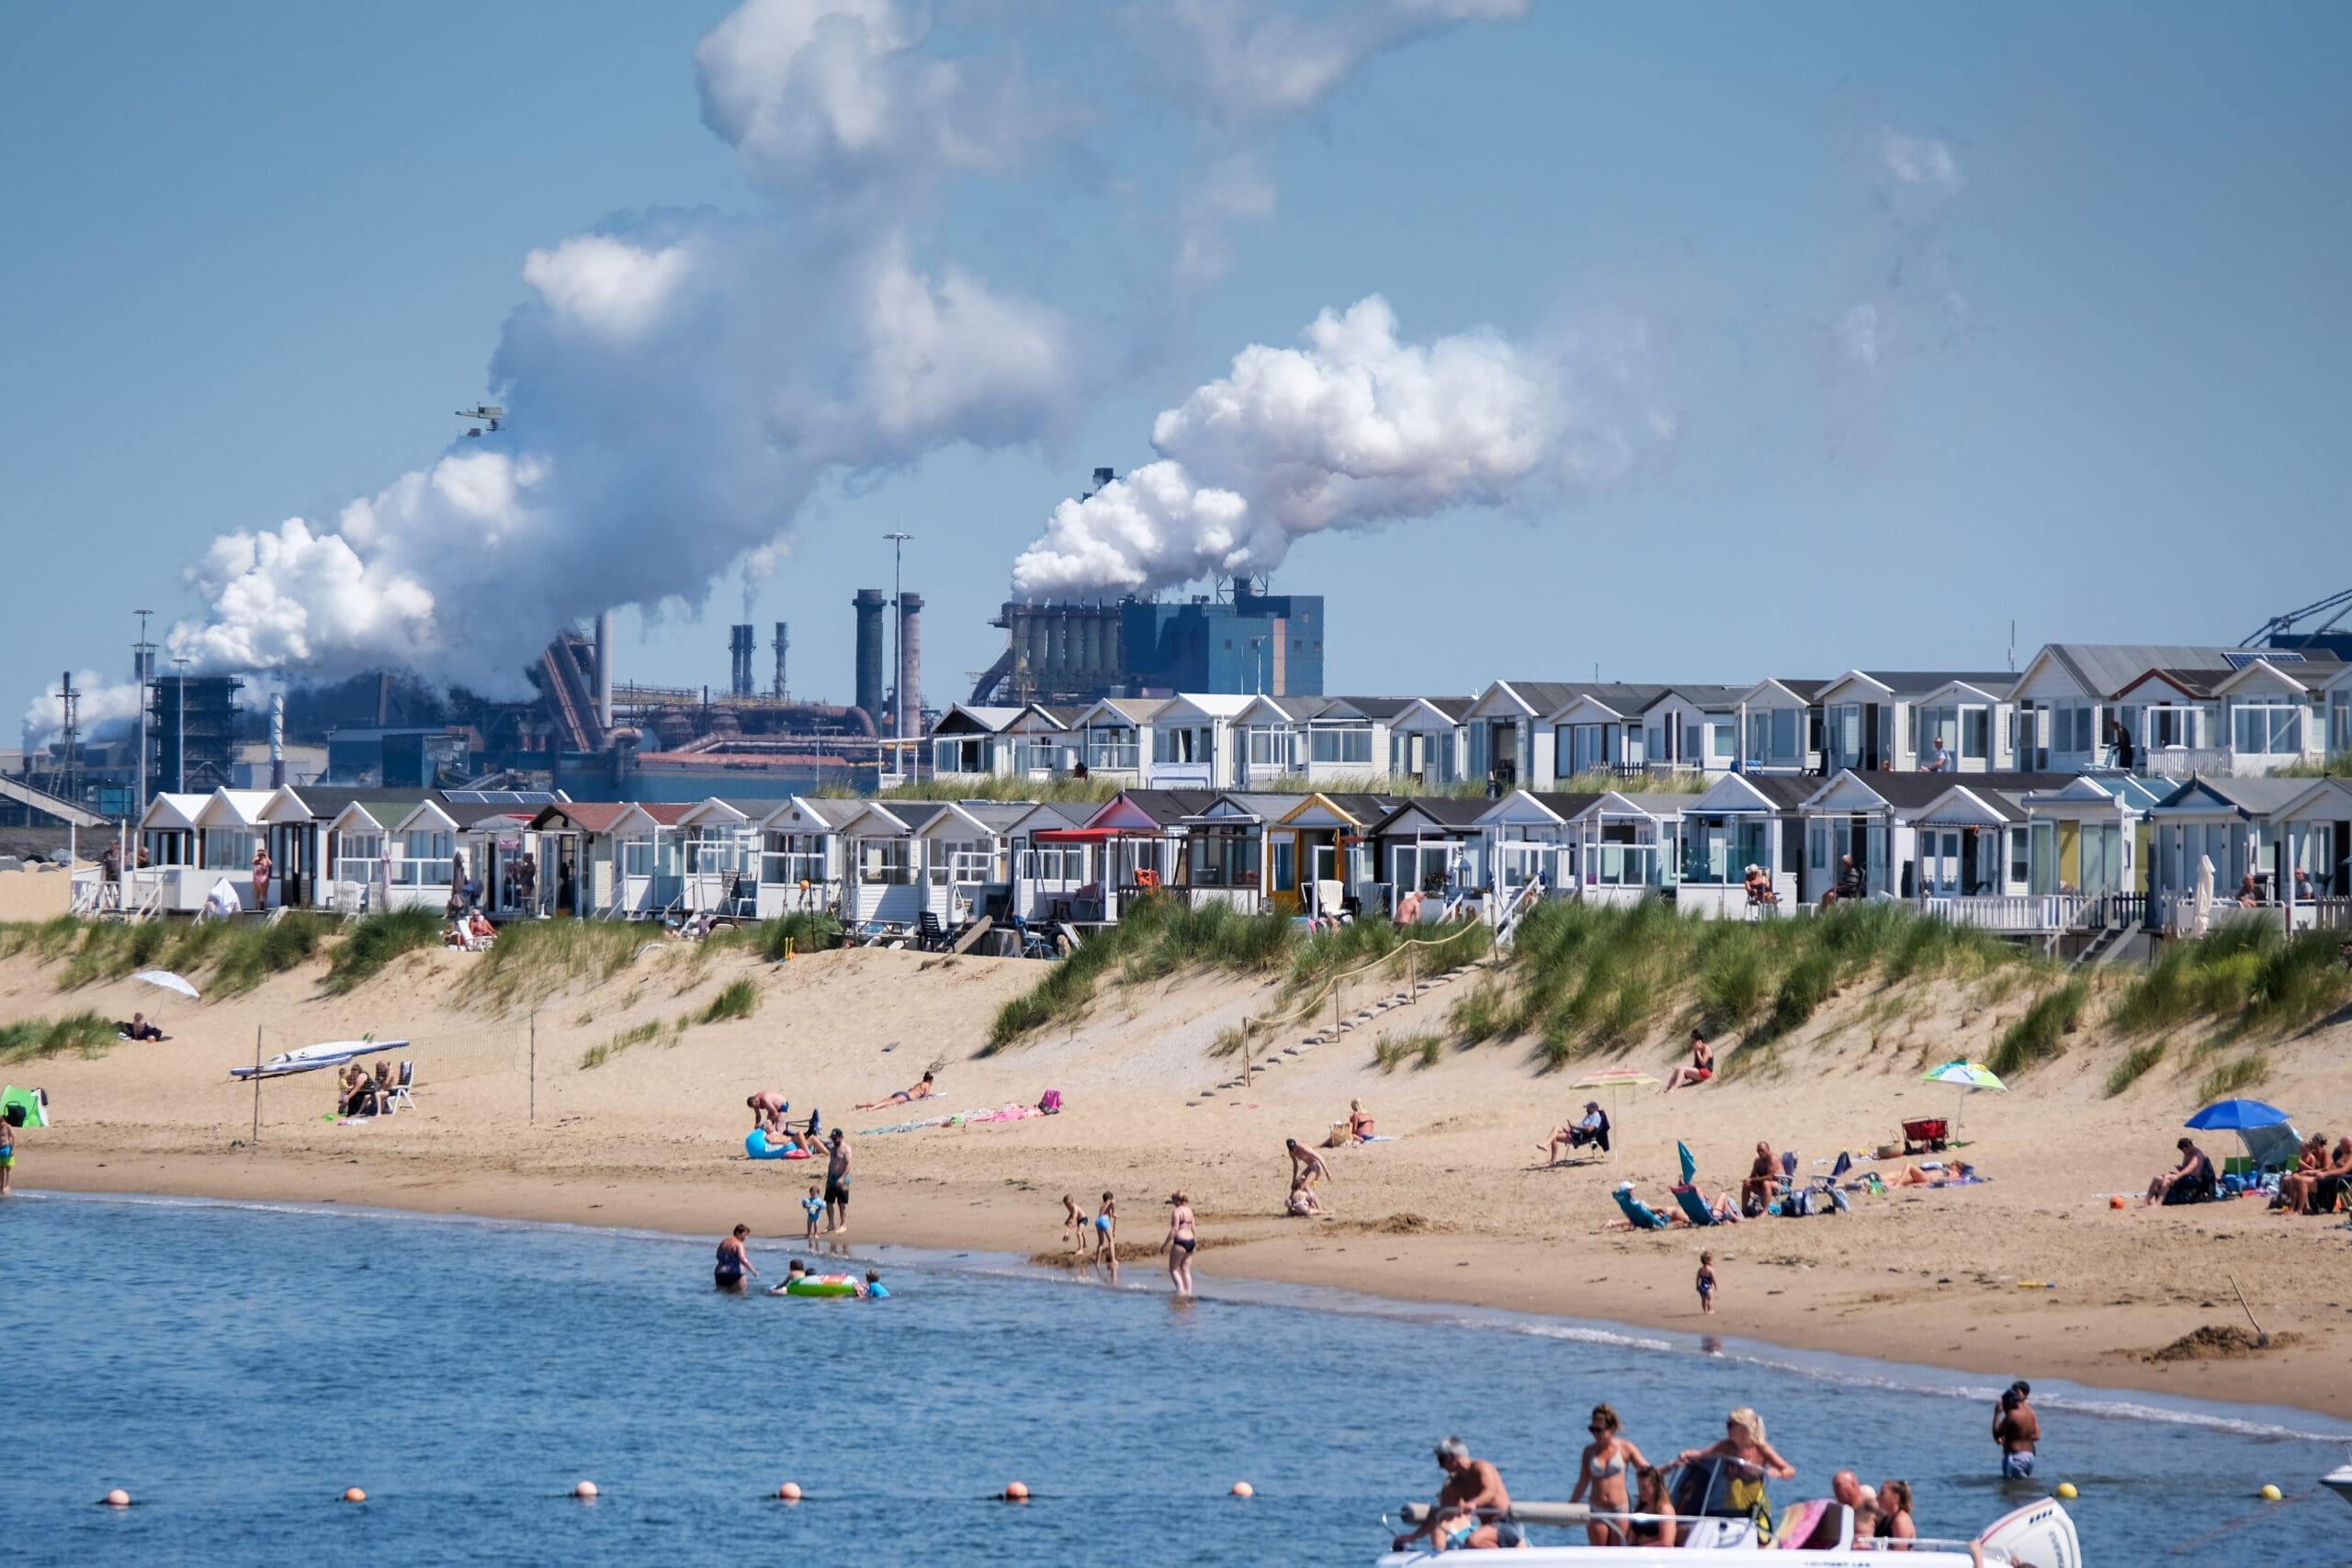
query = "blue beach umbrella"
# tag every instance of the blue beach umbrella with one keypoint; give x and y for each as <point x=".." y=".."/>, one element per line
<point x="1689" y="1161"/>
<point x="2236" y="1116"/>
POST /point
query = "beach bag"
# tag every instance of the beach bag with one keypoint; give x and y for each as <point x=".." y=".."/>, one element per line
<point x="1051" y="1102"/>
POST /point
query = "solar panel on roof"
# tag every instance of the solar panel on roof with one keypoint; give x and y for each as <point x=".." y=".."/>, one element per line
<point x="2267" y="655"/>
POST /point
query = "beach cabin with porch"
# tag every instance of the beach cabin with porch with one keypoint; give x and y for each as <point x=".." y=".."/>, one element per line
<point x="1742" y="820"/>
<point x="801" y="857"/>
<point x="2070" y="720"/>
<point x="1888" y="720"/>
<point x="1598" y="728"/>
<point x="1691" y="730"/>
<point x="1271" y="733"/>
<point x="2276" y="713"/>
<point x="1138" y="843"/>
<point x="1510" y="733"/>
<point x="1194" y="744"/>
<point x="1876" y="818"/>
<point x="1430" y="845"/>
<point x="1321" y="853"/>
<point x="2319" y="844"/>
<point x="1624" y="846"/>
<point x="1429" y="742"/>
<point x="973" y="742"/>
<point x="720" y="854"/>
<point x="421" y="858"/>
<point x="2239" y="824"/>
<point x="883" y="862"/>
<point x="1227" y="853"/>
<point x="1780" y="725"/>
<point x="1351" y="739"/>
<point x="176" y="880"/>
<point x="1058" y="879"/>
<point x="1528" y="837"/>
<point x="356" y="857"/>
<point x="1114" y="738"/>
<point x="2169" y="722"/>
<point x="967" y="853"/>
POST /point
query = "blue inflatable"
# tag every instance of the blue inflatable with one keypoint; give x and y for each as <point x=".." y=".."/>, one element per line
<point x="756" y="1144"/>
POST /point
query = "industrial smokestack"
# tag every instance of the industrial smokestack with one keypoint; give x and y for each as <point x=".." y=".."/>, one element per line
<point x="603" y="670"/>
<point x="871" y="605"/>
<point x="910" y="666"/>
<point x="277" y="741"/>
<point x="783" y="641"/>
<point x="741" y="642"/>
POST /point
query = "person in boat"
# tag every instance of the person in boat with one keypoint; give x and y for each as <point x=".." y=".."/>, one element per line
<point x="1359" y="1123"/>
<point x="1894" y="1521"/>
<point x="1846" y="1488"/>
<point x="1702" y="1068"/>
<point x="1743" y="1443"/>
<point x="1602" y="1470"/>
<point x="734" y="1261"/>
<point x="2190" y="1182"/>
<point x="1473" y="1509"/>
<point x="1651" y="1497"/>
<point x="2019" y="1431"/>
<point x="922" y="1089"/>
<point x="1182" y="1239"/>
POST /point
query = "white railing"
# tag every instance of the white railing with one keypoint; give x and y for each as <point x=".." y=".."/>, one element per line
<point x="2035" y="912"/>
<point x="2179" y="762"/>
<point x="790" y="870"/>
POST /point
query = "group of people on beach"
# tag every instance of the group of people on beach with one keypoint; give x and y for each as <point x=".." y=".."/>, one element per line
<point x="359" y="1092"/>
<point x="1095" y="1238"/>
<point x="1631" y="1502"/>
<point x="735" y="1268"/>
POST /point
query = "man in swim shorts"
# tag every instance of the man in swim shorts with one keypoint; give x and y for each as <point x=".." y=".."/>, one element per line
<point x="837" y="1185"/>
<point x="2017" y="1429"/>
<point x="767" y="1109"/>
<point x="1473" y="1509"/>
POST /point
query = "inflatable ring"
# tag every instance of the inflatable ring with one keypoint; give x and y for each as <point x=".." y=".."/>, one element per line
<point x="822" y="1285"/>
<point x="756" y="1144"/>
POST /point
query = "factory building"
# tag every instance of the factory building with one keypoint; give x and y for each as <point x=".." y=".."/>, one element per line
<point x="1249" y="642"/>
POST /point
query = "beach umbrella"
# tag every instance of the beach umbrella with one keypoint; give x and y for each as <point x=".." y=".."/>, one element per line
<point x="1966" y="1077"/>
<point x="2204" y="893"/>
<point x="168" y="981"/>
<point x="1615" y="1079"/>
<point x="2236" y="1116"/>
<point x="1689" y="1161"/>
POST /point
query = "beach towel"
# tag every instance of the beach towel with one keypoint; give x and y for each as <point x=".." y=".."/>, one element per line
<point x="1643" y="1216"/>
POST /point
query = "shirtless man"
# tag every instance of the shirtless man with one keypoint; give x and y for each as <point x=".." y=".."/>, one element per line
<point x="767" y="1109"/>
<point x="837" y="1185"/>
<point x="921" y="1090"/>
<point x="1307" y="1167"/>
<point x="1473" y="1509"/>
<point x="2019" y="1431"/>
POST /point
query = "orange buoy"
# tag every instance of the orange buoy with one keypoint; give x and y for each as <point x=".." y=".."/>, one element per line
<point x="1016" y="1492"/>
<point x="2115" y="1203"/>
<point x="586" y="1491"/>
<point x="1243" y="1489"/>
<point x="118" y="1498"/>
<point x="353" y="1494"/>
<point x="790" y="1492"/>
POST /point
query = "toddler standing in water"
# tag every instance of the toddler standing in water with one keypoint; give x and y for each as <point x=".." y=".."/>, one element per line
<point x="1707" y="1283"/>
<point x="813" y="1206"/>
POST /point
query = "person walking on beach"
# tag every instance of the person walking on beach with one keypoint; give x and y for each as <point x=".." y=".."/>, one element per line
<point x="1707" y="1283"/>
<point x="1601" y="1471"/>
<point x="814" y="1207"/>
<point x="1181" y="1240"/>
<point x="734" y="1261"/>
<point x="1106" y="1229"/>
<point x="837" y="1185"/>
<point x="2019" y="1431"/>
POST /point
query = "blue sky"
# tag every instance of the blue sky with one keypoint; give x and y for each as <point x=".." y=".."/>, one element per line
<point x="261" y="252"/>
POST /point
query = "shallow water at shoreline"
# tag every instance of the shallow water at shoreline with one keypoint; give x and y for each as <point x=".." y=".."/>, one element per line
<point x="236" y="1367"/>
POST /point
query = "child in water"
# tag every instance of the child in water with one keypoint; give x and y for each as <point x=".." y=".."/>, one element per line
<point x="874" y="1289"/>
<point x="813" y="1206"/>
<point x="1707" y="1283"/>
<point x="1107" y="1228"/>
<point x="1073" y="1223"/>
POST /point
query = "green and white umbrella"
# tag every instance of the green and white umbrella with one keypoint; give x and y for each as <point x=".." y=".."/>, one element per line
<point x="1966" y="1077"/>
<point x="1613" y="1079"/>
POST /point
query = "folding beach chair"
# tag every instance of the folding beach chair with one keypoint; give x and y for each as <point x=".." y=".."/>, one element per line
<point x="1694" y="1207"/>
<point x="1643" y="1217"/>
<point x="400" y="1087"/>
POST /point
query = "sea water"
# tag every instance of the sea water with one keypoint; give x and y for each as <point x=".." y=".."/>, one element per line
<point x="235" y="1368"/>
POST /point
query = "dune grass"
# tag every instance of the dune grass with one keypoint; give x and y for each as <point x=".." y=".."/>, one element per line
<point x="597" y="1056"/>
<point x="2134" y="1067"/>
<point x="374" y="940"/>
<point x="2041" y="1034"/>
<point x="34" y="1038"/>
<point x="2250" y="1071"/>
<point x="532" y="959"/>
<point x="803" y="931"/>
<point x="1423" y="1050"/>
<point x="740" y="998"/>
<point x="45" y="940"/>
<point x="2245" y="977"/>
<point x="1584" y="977"/>
<point x="231" y="956"/>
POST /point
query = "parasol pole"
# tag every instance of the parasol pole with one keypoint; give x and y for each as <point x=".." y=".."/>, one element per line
<point x="534" y="1065"/>
<point x="256" y="1084"/>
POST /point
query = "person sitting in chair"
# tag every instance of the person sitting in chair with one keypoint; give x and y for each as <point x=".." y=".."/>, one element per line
<point x="1758" y="883"/>
<point x="1591" y="1131"/>
<point x="2191" y="1182"/>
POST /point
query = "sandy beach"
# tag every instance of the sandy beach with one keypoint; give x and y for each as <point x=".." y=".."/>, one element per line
<point x="2030" y="1275"/>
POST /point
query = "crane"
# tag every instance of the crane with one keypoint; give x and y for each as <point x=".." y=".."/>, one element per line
<point x="489" y="414"/>
<point x="2340" y="604"/>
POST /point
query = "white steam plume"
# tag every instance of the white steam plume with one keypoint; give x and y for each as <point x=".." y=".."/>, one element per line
<point x="1909" y="299"/>
<point x="1354" y="430"/>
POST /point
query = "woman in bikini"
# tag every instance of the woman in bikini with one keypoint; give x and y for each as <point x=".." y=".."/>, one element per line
<point x="1743" y="1443"/>
<point x="1358" y="1122"/>
<point x="1181" y="1240"/>
<point x="1895" y="1512"/>
<point x="1652" y="1498"/>
<point x="734" y="1261"/>
<point x="1601" y="1471"/>
<point x="1702" y="1068"/>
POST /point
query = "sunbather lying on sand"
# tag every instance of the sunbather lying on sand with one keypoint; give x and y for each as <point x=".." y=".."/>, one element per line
<point x="921" y="1090"/>
<point x="1960" y="1174"/>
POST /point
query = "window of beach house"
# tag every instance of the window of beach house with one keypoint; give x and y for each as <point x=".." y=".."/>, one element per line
<point x="2020" y="857"/>
<point x="425" y="858"/>
<point x="884" y="861"/>
<point x="225" y="848"/>
<point x="964" y="861"/>
<point x="1975" y="732"/>
<point x="793" y="858"/>
<point x="1717" y="850"/>
<point x="2339" y="722"/>
<point x="1817" y="844"/>
<point x="1759" y="735"/>
<point x="1345" y="743"/>
<point x="1063" y="864"/>
<point x="1845" y="734"/>
<point x="1038" y="753"/>
<point x="2266" y="729"/>
<point x="1113" y="746"/>
<point x="1223" y="859"/>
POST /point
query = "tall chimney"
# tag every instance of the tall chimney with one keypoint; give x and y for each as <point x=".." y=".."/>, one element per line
<point x="277" y="741"/>
<point x="783" y="641"/>
<point x="605" y="670"/>
<point x="871" y="605"/>
<point x="740" y="641"/>
<point x="910" y="666"/>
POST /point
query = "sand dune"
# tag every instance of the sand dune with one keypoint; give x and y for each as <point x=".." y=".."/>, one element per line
<point x="1454" y="1210"/>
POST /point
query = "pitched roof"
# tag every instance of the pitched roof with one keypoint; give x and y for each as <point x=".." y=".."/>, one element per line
<point x="1702" y="695"/>
<point x="598" y="816"/>
<point x="1168" y="806"/>
<point x="1908" y="792"/>
<point x="1918" y="682"/>
<point x="1446" y="810"/>
<point x="2103" y="668"/>
<point x="2256" y="796"/>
